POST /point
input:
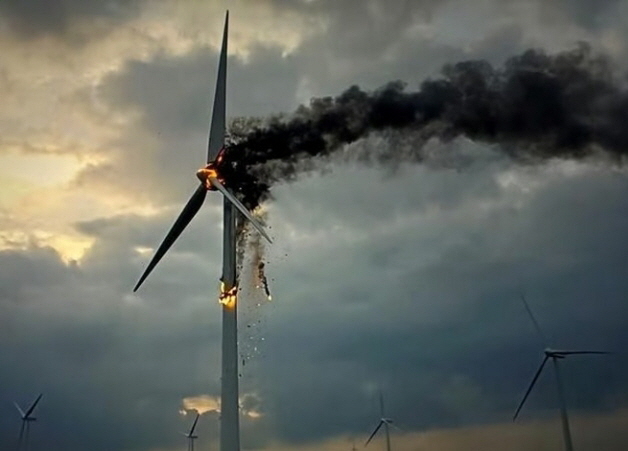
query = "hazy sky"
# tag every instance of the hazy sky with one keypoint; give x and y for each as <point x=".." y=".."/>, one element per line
<point x="401" y="276"/>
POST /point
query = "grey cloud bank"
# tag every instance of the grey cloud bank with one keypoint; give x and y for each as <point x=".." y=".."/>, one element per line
<point x="408" y="277"/>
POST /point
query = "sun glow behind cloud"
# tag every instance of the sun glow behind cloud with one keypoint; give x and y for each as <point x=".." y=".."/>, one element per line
<point x="207" y="403"/>
<point x="56" y="126"/>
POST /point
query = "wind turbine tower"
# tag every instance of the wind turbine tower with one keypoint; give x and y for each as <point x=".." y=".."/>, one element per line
<point x="211" y="180"/>
<point x="555" y="355"/>
<point x="383" y="421"/>
<point x="27" y="418"/>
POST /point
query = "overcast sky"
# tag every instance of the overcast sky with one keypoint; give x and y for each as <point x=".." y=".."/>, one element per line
<point x="405" y="277"/>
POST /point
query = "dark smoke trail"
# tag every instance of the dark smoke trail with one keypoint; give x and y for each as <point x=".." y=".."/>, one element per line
<point x="539" y="106"/>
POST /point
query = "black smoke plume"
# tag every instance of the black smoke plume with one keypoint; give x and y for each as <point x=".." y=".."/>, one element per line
<point x="537" y="106"/>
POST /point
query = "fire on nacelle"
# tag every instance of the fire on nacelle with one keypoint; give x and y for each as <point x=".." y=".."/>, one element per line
<point x="208" y="172"/>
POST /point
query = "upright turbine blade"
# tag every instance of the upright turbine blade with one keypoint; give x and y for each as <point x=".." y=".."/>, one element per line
<point x="234" y="200"/>
<point x="536" y="376"/>
<point x="217" y="127"/>
<point x="194" y="425"/>
<point x="534" y="321"/>
<point x="374" y="432"/>
<point x="381" y="403"/>
<point x="189" y="211"/>
<point x="32" y="407"/>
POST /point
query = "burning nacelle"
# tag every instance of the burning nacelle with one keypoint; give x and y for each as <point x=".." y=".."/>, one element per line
<point x="209" y="172"/>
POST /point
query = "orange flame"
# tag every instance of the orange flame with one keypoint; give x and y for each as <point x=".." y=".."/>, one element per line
<point x="204" y="174"/>
<point x="209" y="171"/>
<point x="229" y="297"/>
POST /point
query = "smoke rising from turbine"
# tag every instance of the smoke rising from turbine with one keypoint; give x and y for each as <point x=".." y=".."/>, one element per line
<point x="537" y="106"/>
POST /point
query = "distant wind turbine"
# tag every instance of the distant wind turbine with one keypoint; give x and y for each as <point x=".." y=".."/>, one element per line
<point x="190" y="435"/>
<point x="383" y="421"/>
<point x="555" y="355"/>
<point x="27" y="418"/>
<point x="211" y="180"/>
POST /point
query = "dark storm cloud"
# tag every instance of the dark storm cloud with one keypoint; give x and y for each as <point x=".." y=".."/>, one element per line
<point x="30" y="19"/>
<point x="97" y="352"/>
<point x="587" y="13"/>
<point x="173" y="95"/>
<point x="406" y="278"/>
<point x="451" y="342"/>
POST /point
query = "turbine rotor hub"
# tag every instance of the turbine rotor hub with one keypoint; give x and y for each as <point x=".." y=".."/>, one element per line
<point x="206" y="173"/>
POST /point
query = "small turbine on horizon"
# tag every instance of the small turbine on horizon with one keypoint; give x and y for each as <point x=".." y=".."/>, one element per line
<point x="27" y="418"/>
<point x="190" y="435"/>
<point x="555" y="355"/>
<point x="383" y="421"/>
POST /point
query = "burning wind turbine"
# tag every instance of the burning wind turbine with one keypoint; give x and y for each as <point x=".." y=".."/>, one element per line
<point x="555" y="355"/>
<point x="211" y="180"/>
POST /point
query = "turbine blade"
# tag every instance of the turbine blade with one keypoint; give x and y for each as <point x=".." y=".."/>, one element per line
<point x="189" y="211"/>
<point x="32" y="407"/>
<point x="234" y="200"/>
<point x="22" y="414"/>
<point x="582" y="352"/>
<point x="194" y="425"/>
<point x="217" y="127"/>
<point x="534" y="321"/>
<point x="379" y="425"/>
<point x="536" y="376"/>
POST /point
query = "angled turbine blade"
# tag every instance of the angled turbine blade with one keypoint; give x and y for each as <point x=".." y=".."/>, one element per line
<point x="194" y="425"/>
<point x="189" y="211"/>
<point x="217" y="127"/>
<point x="17" y="406"/>
<point x="234" y="200"/>
<point x="379" y="425"/>
<point x="32" y="407"/>
<point x="534" y="321"/>
<point x="536" y="376"/>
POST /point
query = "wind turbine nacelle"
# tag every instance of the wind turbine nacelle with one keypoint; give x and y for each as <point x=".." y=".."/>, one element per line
<point x="30" y="419"/>
<point x="554" y="353"/>
<point x="205" y="174"/>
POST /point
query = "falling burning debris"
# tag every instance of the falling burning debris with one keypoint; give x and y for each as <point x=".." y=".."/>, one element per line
<point x="537" y="106"/>
<point x="261" y="275"/>
<point x="228" y="298"/>
<point x="252" y="245"/>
